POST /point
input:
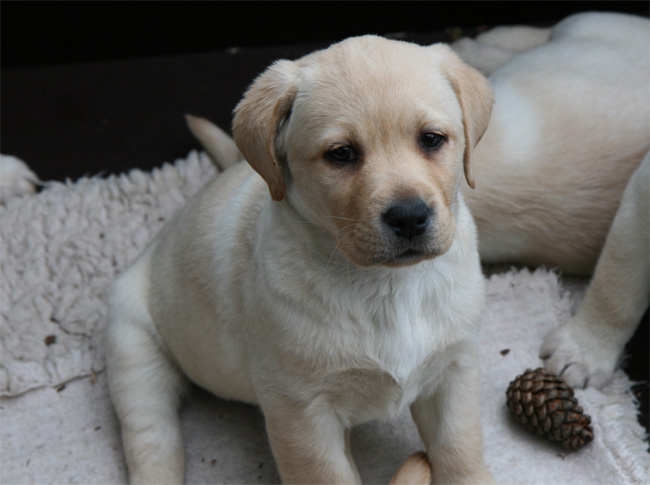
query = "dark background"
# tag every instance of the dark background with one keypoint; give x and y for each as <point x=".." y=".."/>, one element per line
<point x="93" y="88"/>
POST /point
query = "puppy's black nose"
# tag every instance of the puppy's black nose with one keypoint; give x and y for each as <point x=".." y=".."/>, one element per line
<point x="408" y="219"/>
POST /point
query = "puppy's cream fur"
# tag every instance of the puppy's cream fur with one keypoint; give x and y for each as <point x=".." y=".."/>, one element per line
<point x="315" y="305"/>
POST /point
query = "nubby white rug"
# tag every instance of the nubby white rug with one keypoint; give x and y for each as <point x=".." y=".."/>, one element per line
<point x="60" y="250"/>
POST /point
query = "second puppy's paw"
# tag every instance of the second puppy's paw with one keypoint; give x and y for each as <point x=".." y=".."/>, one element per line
<point x="581" y="355"/>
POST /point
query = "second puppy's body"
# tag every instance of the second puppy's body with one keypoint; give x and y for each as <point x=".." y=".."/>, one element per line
<point x="570" y="125"/>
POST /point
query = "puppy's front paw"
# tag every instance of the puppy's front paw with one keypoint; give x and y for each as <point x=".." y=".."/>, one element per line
<point x="580" y="355"/>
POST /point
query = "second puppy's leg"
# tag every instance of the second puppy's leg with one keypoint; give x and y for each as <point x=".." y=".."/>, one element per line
<point x="587" y="349"/>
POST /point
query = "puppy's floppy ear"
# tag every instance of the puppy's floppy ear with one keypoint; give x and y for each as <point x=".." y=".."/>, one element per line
<point x="475" y="97"/>
<point x="258" y="116"/>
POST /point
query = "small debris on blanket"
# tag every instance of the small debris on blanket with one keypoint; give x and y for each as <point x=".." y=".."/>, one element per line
<point x="50" y="339"/>
<point x="505" y="352"/>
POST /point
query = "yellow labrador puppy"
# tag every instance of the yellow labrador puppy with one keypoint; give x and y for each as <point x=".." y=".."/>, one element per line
<point x="332" y="279"/>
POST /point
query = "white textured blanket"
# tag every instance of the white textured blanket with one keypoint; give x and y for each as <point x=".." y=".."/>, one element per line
<point x="59" y="252"/>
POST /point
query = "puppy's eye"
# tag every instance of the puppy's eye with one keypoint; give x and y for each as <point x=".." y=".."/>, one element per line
<point x="431" y="141"/>
<point x="342" y="155"/>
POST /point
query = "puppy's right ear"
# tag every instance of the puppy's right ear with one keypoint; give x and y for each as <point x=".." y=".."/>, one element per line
<point x="258" y="117"/>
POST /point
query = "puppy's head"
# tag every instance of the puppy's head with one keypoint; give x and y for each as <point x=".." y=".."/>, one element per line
<point x="369" y="140"/>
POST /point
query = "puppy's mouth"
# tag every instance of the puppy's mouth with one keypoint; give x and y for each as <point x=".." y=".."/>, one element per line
<point x="408" y="257"/>
<point x="370" y="254"/>
<point x="409" y="254"/>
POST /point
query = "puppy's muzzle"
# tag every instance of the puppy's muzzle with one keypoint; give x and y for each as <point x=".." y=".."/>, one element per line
<point x="408" y="219"/>
<point x="409" y="232"/>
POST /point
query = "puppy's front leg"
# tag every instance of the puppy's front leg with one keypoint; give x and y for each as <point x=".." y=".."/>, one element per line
<point x="449" y="423"/>
<point x="309" y="443"/>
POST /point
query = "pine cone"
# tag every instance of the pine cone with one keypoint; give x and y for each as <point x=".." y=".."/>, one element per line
<point x="544" y="403"/>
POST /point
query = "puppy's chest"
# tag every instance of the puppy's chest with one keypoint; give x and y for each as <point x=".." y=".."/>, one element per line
<point x="395" y="335"/>
<point x="376" y="389"/>
<point x="376" y="368"/>
<point x="369" y="343"/>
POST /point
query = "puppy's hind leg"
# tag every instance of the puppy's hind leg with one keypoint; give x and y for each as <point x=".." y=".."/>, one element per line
<point x="146" y="388"/>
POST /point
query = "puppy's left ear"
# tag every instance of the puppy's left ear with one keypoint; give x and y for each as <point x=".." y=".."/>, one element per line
<point x="475" y="97"/>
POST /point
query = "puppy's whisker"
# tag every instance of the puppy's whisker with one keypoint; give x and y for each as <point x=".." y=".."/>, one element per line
<point x="342" y="218"/>
<point x="334" y="254"/>
<point x="301" y="220"/>
<point x="349" y="226"/>
<point x="336" y="249"/>
<point x="367" y="201"/>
